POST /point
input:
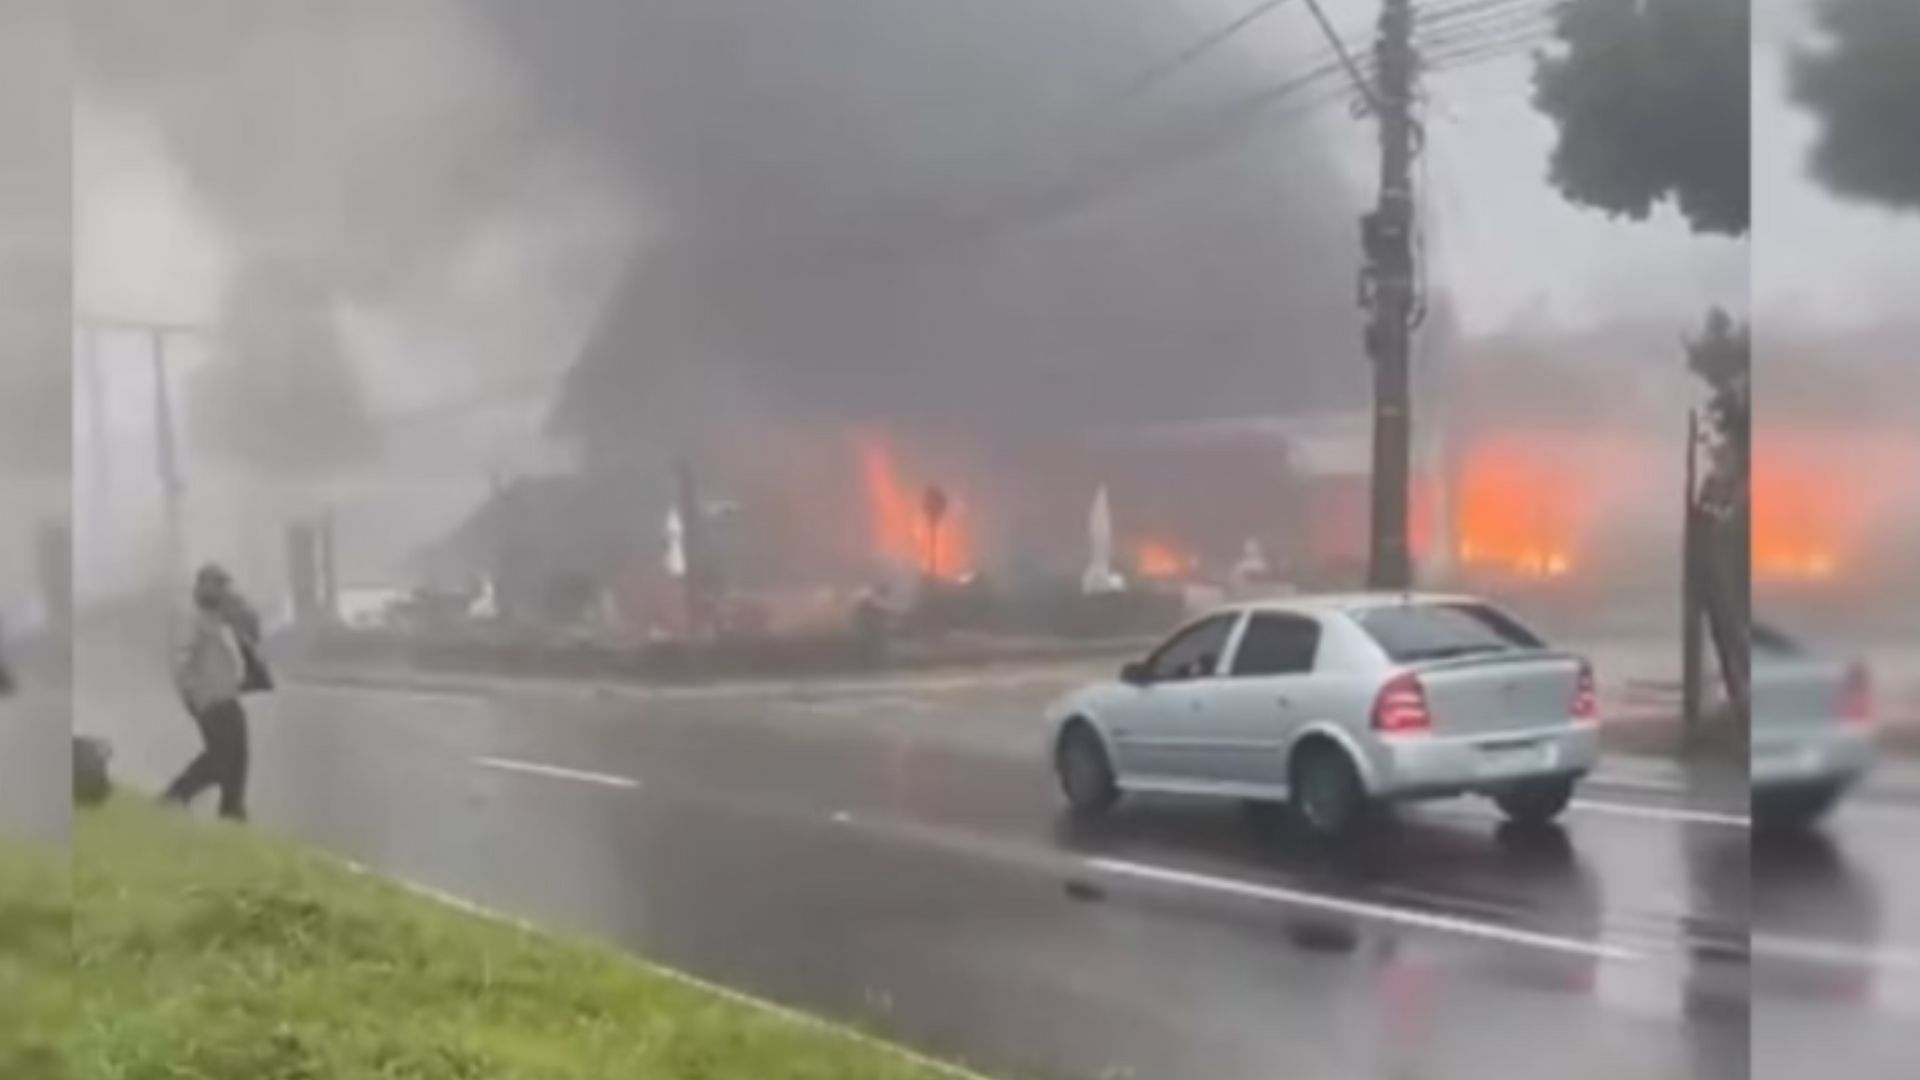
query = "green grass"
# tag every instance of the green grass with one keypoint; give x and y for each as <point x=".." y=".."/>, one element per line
<point x="36" y="961"/>
<point x="202" y="952"/>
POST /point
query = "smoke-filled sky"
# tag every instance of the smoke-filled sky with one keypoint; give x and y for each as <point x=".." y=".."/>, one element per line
<point x="907" y="207"/>
<point x="35" y="271"/>
<point x="35" y="275"/>
<point x="397" y="142"/>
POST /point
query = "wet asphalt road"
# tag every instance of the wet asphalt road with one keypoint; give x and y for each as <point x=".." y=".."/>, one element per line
<point x="1836" y="940"/>
<point x="893" y="856"/>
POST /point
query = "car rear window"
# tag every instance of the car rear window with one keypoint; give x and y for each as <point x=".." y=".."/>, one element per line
<point x="1414" y="632"/>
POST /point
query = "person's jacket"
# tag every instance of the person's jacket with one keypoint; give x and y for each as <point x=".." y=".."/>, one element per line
<point x="208" y="669"/>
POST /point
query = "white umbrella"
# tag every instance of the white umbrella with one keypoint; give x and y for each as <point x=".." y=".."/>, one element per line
<point x="1253" y="561"/>
<point x="487" y="604"/>
<point x="676" y="544"/>
<point x="1100" y="576"/>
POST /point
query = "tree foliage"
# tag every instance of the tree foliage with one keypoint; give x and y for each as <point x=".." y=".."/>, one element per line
<point x="1721" y="357"/>
<point x="1864" y="85"/>
<point x="1652" y="98"/>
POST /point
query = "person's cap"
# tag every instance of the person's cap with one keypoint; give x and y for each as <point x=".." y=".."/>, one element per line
<point x="212" y="574"/>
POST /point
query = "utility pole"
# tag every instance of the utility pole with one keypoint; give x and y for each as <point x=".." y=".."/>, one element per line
<point x="329" y="566"/>
<point x="172" y="489"/>
<point x="167" y="457"/>
<point x="1387" y="291"/>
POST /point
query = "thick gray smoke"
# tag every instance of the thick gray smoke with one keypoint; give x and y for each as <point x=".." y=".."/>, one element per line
<point x="902" y="211"/>
<point x="917" y="213"/>
<point x="35" y="260"/>
<point x="926" y="217"/>
<point x="364" y="138"/>
<point x="360" y="147"/>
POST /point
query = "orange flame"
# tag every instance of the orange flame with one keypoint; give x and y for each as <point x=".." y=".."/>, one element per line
<point x="1160" y="560"/>
<point x="1796" y="520"/>
<point x="897" y="518"/>
<point x="1515" y="512"/>
<point x="1819" y="498"/>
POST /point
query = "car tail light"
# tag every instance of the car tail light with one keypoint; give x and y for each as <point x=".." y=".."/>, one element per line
<point x="1586" y="698"/>
<point x="1856" y="697"/>
<point x="1401" y="708"/>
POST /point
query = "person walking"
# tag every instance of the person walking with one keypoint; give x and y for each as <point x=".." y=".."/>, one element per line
<point x="218" y="662"/>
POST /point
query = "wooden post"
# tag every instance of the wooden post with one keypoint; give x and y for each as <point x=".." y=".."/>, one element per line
<point x="1691" y="642"/>
<point x="934" y="505"/>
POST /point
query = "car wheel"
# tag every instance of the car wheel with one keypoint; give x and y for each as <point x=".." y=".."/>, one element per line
<point x="1086" y="776"/>
<point x="1326" y="791"/>
<point x="1795" y="810"/>
<point x="1535" y="802"/>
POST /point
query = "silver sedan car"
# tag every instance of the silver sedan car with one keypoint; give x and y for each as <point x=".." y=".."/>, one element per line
<point x="1336" y="703"/>
<point x="1813" y="734"/>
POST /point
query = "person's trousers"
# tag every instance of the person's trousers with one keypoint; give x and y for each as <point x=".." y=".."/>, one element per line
<point x="223" y="762"/>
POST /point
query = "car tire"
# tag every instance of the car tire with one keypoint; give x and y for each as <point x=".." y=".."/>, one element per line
<point x="1533" y="803"/>
<point x="1085" y="773"/>
<point x="1796" y="810"/>
<point x="1326" y="791"/>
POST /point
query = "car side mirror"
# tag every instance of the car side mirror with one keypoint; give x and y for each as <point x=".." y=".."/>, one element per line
<point x="1136" y="673"/>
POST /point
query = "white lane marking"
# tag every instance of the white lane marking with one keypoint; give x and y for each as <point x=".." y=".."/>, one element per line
<point x="1835" y="953"/>
<point x="556" y="772"/>
<point x="827" y="708"/>
<point x="1661" y="813"/>
<point x="855" y="706"/>
<point x="462" y="698"/>
<point x="1363" y="909"/>
<point x="1635" y="783"/>
<point x="726" y="993"/>
<point x="1671" y="815"/>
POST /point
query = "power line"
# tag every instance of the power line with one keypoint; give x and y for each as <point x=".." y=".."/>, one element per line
<point x="1035" y="201"/>
<point x="1104" y="107"/>
<point x="1037" y="198"/>
<point x="1222" y="123"/>
<point x="1488" y="31"/>
<point x="1360" y="82"/>
<point x="1470" y="9"/>
<point x="1484" y="52"/>
<point x="1206" y="43"/>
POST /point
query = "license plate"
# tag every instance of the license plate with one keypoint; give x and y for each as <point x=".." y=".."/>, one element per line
<point x="1801" y="761"/>
<point x="1514" y="759"/>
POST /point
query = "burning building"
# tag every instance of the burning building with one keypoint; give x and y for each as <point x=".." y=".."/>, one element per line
<point x="1836" y="469"/>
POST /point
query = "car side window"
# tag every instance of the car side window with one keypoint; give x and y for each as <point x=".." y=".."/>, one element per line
<point x="1194" y="653"/>
<point x="1277" y="644"/>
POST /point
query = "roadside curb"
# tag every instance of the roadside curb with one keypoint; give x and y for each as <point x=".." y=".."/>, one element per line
<point x="403" y="681"/>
